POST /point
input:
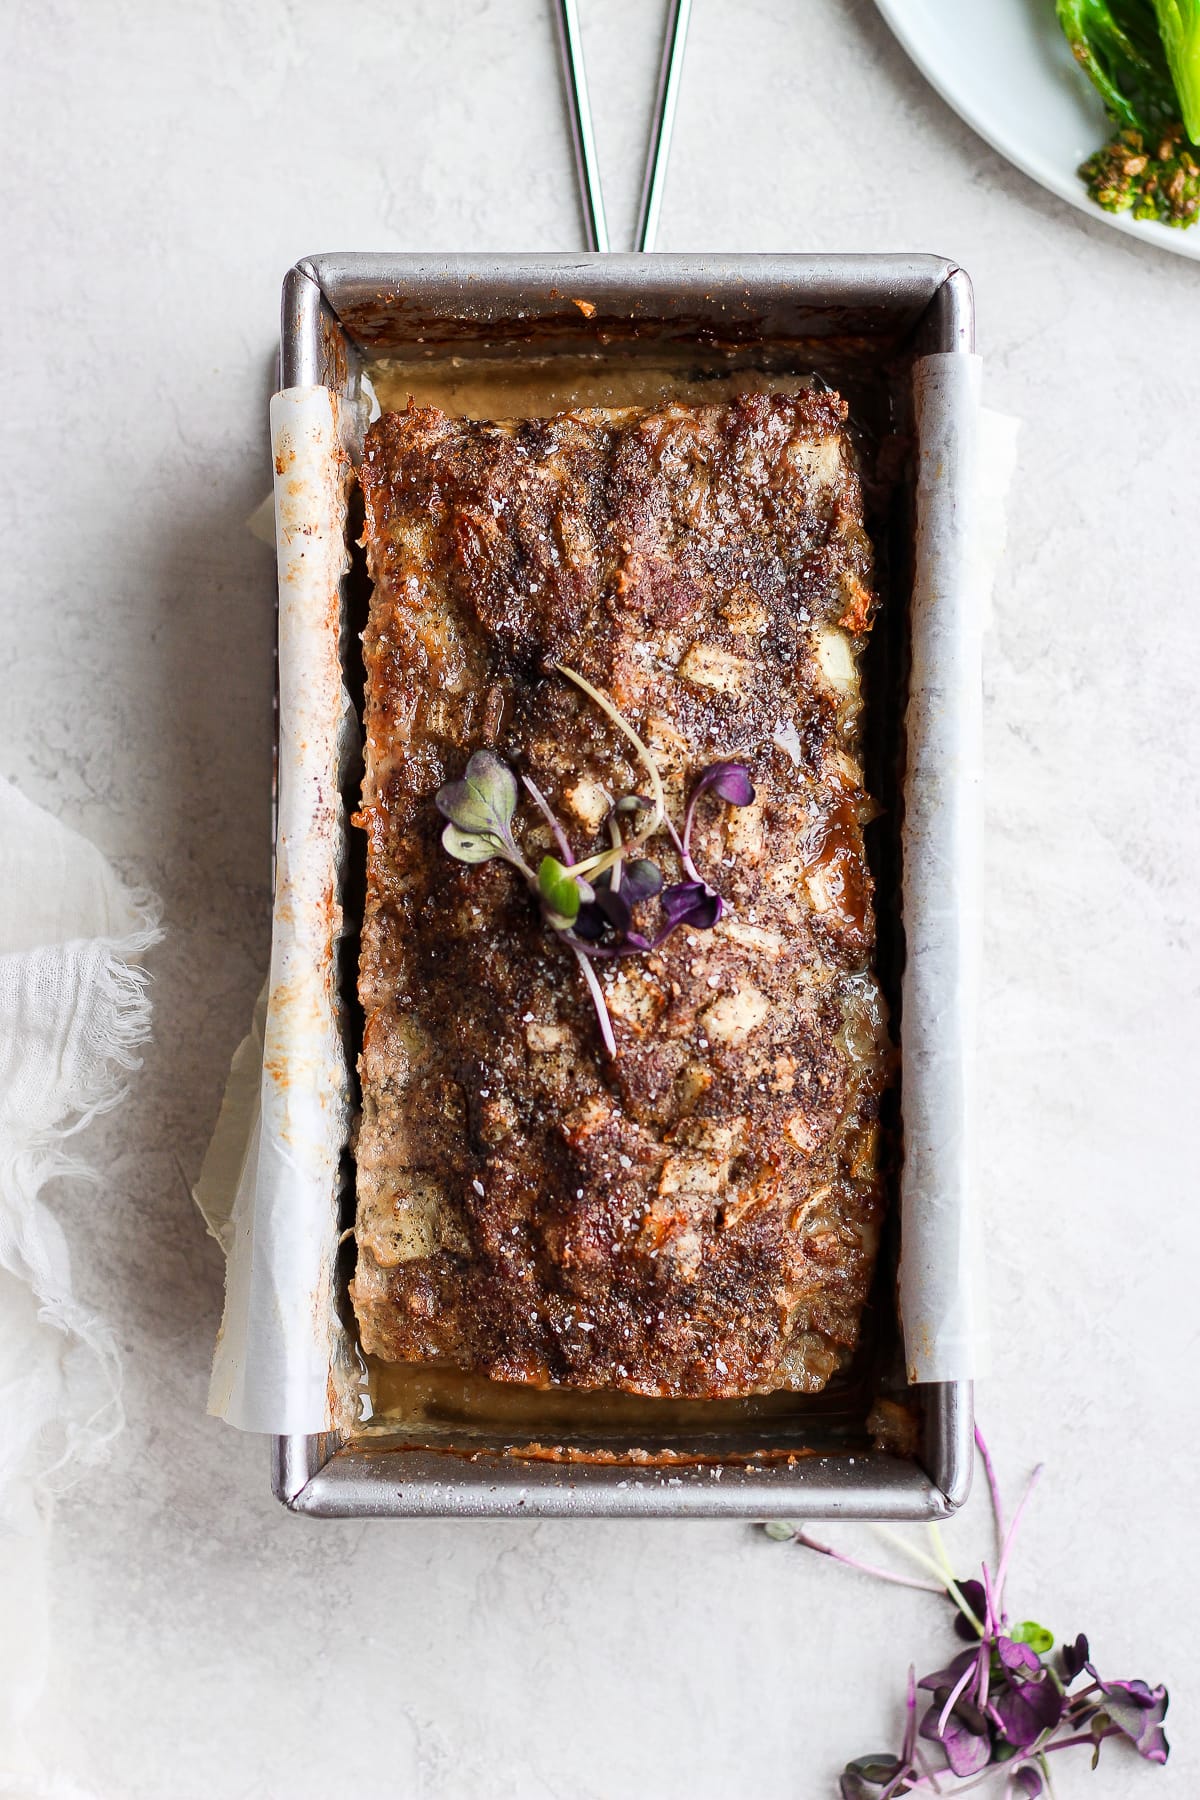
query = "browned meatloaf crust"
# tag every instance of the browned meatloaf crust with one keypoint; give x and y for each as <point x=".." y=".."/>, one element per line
<point x="699" y="1215"/>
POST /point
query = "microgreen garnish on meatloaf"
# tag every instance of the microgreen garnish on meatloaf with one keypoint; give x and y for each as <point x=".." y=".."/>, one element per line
<point x="590" y="903"/>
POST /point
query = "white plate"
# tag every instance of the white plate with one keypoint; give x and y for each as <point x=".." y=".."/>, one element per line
<point x="1004" y="66"/>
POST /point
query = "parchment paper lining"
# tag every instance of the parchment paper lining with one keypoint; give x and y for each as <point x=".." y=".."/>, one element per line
<point x="279" y="1339"/>
<point x="942" y="846"/>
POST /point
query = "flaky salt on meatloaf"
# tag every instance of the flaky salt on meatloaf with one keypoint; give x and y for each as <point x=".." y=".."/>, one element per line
<point x="698" y="1214"/>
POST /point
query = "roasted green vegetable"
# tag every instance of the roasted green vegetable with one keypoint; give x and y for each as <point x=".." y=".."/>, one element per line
<point x="1143" y="58"/>
<point x="1179" y="28"/>
<point x="1116" y="44"/>
<point x="1155" y="179"/>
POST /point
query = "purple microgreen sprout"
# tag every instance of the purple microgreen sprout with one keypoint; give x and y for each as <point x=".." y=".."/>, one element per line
<point x="641" y="880"/>
<point x="479" y="811"/>
<point x="731" y="782"/>
<point x="691" y="903"/>
<point x="590" y="904"/>
<point x="998" y="1710"/>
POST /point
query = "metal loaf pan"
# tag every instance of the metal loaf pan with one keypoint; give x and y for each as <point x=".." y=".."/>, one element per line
<point x="876" y="313"/>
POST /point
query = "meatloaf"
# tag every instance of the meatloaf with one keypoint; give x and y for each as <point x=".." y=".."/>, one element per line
<point x="697" y="1214"/>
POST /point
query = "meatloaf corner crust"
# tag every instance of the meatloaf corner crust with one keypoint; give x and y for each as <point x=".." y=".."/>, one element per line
<point x="698" y="1216"/>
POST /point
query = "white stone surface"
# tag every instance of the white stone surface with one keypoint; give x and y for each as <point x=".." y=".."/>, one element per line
<point x="165" y="164"/>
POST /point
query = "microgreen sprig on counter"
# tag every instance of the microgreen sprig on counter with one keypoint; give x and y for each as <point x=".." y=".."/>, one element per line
<point x="590" y="903"/>
<point x="999" y="1709"/>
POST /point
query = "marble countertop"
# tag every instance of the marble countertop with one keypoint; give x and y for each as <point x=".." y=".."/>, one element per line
<point x="165" y="166"/>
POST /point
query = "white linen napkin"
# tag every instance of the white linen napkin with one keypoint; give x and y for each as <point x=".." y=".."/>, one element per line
<point x="73" y="1011"/>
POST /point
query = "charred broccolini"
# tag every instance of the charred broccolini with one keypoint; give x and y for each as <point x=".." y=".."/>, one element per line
<point x="1143" y="58"/>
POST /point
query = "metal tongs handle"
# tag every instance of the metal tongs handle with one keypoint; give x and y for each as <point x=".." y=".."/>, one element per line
<point x="587" y="164"/>
<point x="669" y="77"/>
<point x="587" y="168"/>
